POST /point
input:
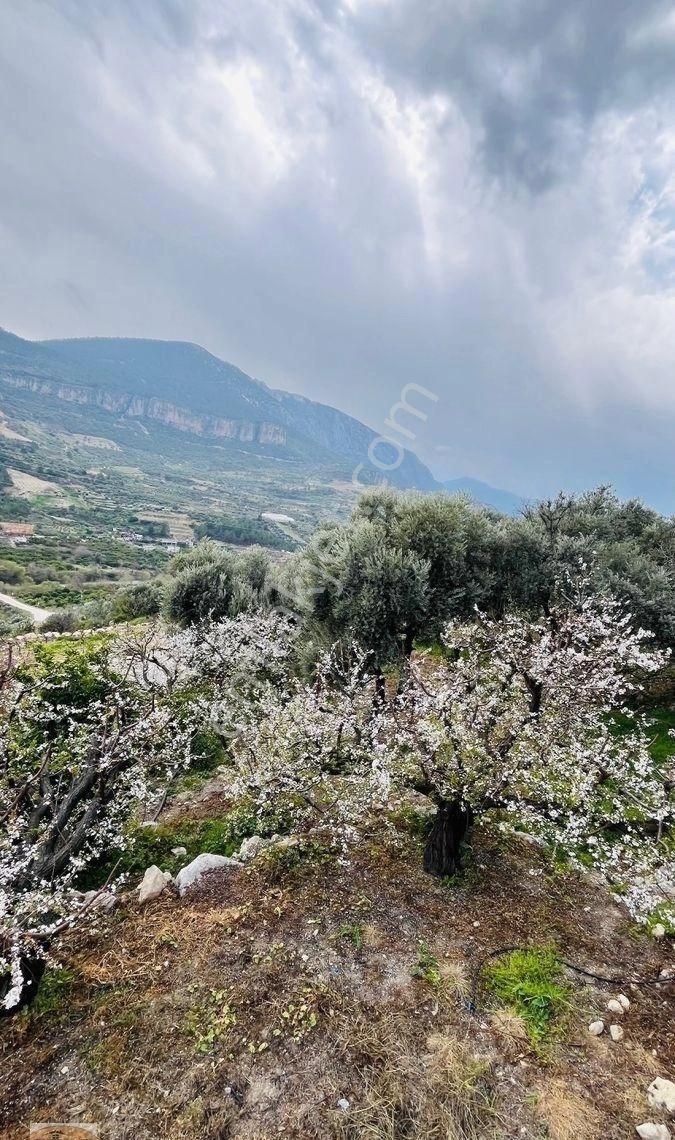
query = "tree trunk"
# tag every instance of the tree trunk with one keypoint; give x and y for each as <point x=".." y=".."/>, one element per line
<point x="32" y="968"/>
<point x="451" y="826"/>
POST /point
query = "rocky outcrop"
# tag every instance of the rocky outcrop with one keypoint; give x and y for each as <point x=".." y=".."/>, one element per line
<point x="164" y="412"/>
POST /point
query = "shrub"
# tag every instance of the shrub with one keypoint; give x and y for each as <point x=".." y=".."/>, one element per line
<point x="11" y="573"/>
<point x="141" y="600"/>
<point x="64" y="621"/>
<point x="202" y="592"/>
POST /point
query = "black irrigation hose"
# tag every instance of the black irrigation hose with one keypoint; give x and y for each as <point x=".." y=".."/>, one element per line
<point x="471" y="1002"/>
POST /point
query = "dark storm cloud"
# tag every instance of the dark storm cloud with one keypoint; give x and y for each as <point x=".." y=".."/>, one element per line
<point x="532" y="75"/>
<point x="345" y="198"/>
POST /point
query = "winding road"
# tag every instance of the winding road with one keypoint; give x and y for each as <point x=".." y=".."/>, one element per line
<point x="34" y="612"/>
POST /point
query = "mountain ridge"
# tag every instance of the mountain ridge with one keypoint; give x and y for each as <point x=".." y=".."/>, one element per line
<point x="184" y="386"/>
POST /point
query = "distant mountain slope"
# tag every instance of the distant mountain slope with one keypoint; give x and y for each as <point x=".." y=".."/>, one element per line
<point x="187" y="388"/>
<point x="504" y="501"/>
<point x="344" y="435"/>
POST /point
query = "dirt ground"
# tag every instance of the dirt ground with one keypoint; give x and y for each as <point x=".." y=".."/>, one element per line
<point x="282" y="1001"/>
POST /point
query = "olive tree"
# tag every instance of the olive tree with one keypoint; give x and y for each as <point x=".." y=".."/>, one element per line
<point x="630" y="547"/>
<point x="357" y="587"/>
<point x="209" y="584"/>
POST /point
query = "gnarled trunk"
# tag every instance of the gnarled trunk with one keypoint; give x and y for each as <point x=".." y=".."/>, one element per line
<point x="449" y="831"/>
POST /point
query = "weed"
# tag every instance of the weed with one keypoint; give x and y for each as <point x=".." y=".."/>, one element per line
<point x="411" y="820"/>
<point x="211" y="1022"/>
<point x="529" y="983"/>
<point x="467" y="878"/>
<point x="427" y="967"/>
<point x="299" y="1017"/>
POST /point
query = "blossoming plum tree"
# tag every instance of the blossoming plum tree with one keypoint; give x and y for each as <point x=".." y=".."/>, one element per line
<point x="517" y="722"/>
<point x="81" y="746"/>
<point x="87" y="736"/>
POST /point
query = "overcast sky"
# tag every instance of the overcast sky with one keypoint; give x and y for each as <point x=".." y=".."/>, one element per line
<point x="477" y="196"/>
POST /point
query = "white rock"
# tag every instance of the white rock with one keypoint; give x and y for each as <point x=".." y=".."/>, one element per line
<point x="191" y="874"/>
<point x="252" y="847"/>
<point x="667" y="973"/>
<point x="344" y="1104"/>
<point x="649" y="1131"/>
<point x="661" y="1095"/>
<point x="615" y="1007"/>
<point x="658" y="931"/>
<point x="624" y="1002"/>
<point x="596" y="1028"/>
<point x="616" y="1032"/>
<point x="179" y="850"/>
<point x="154" y="882"/>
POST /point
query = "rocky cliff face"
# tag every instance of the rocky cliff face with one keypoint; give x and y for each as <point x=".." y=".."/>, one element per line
<point x="188" y="389"/>
<point x="138" y="407"/>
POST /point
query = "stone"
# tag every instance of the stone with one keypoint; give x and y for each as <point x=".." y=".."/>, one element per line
<point x="659" y="930"/>
<point x="624" y="1002"/>
<point x="650" y="1131"/>
<point x="667" y="974"/>
<point x="99" y="900"/>
<point x="344" y="1104"/>
<point x="615" y="1007"/>
<point x="287" y="841"/>
<point x="252" y="847"/>
<point x="179" y="850"/>
<point x="596" y="1028"/>
<point x="616" y="1032"/>
<point x="154" y="882"/>
<point x="661" y="1095"/>
<point x="188" y="876"/>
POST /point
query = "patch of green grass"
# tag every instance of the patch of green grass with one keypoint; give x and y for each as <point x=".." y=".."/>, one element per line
<point x="427" y="967"/>
<point x="278" y="862"/>
<point x="353" y="933"/>
<point x="217" y="836"/>
<point x="54" y="989"/>
<point x="530" y="984"/>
